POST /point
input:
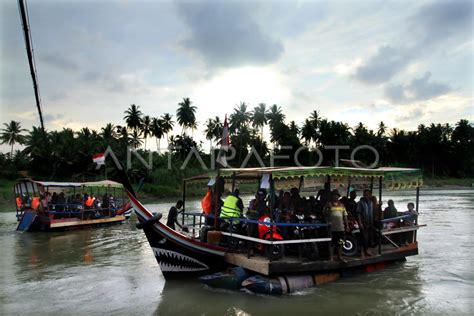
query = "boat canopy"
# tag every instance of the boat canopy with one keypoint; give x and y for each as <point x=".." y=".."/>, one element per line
<point x="95" y="184"/>
<point x="393" y="177"/>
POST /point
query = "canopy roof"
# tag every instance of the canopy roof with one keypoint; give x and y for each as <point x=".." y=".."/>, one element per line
<point x="103" y="184"/>
<point x="397" y="177"/>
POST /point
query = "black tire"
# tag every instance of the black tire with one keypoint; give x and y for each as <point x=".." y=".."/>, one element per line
<point x="274" y="252"/>
<point x="351" y="246"/>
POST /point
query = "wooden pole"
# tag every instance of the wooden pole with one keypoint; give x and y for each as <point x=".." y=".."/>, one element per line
<point x="184" y="201"/>
<point x="379" y="210"/>
<point x="348" y="187"/>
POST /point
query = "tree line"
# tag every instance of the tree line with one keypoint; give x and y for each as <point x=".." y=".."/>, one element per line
<point x="439" y="149"/>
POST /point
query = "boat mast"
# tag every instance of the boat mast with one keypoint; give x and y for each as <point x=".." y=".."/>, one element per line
<point x="31" y="59"/>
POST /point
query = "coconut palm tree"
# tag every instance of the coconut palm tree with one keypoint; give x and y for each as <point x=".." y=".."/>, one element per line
<point x="157" y="131"/>
<point x="276" y="119"/>
<point x="135" y="139"/>
<point x="186" y="115"/>
<point x="146" y="127"/>
<point x="259" y="117"/>
<point x="109" y="133"/>
<point x="168" y="124"/>
<point x="123" y="135"/>
<point x="133" y="117"/>
<point x="12" y="134"/>
<point x="240" y="118"/>
<point x="307" y="132"/>
<point x="381" y="129"/>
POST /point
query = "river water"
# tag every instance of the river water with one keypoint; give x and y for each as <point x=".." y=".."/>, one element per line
<point x="112" y="270"/>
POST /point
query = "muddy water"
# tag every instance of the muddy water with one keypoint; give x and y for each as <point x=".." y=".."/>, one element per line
<point x="112" y="270"/>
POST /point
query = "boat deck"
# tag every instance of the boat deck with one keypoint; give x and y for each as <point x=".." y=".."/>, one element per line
<point x="291" y="264"/>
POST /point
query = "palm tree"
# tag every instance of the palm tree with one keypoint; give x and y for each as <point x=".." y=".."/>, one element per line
<point x="240" y="118"/>
<point x="259" y="117"/>
<point x="135" y="139"/>
<point x="276" y="119"/>
<point x="109" y="133"/>
<point x="209" y="131"/>
<point x="133" y="117"/>
<point x="168" y="124"/>
<point x="381" y="129"/>
<point x="157" y="131"/>
<point x="307" y="132"/>
<point x="146" y="127"/>
<point x="123" y="135"/>
<point x="186" y="115"/>
<point x="11" y="135"/>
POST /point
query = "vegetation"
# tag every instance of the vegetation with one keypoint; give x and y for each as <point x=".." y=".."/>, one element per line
<point x="440" y="150"/>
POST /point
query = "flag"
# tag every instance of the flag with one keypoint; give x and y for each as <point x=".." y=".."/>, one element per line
<point x="225" y="143"/>
<point x="99" y="159"/>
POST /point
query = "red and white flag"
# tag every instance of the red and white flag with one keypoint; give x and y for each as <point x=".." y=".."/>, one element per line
<point x="99" y="159"/>
<point x="225" y="143"/>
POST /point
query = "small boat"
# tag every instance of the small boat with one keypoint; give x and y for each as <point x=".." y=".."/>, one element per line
<point x="204" y="249"/>
<point x="52" y="206"/>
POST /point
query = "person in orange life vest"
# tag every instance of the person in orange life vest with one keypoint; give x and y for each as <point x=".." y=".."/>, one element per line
<point x="35" y="203"/>
<point x="337" y="216"/>
<point x="90" y="201"/>
<point x="19" y="202"/>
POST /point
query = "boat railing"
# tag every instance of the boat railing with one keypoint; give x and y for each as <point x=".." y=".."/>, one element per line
<point x="383" y="233"/>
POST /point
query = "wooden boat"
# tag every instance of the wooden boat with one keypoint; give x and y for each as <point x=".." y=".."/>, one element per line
<point x="36" y="211"/>
<point x="184" y="253"/>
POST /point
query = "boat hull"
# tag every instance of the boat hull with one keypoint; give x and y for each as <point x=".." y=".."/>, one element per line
<point x="178" y="255"/>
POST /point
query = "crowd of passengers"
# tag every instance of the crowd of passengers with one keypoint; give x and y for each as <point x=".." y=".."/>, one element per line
<point x="59" y="202"/>
<point x="326" y="207"/>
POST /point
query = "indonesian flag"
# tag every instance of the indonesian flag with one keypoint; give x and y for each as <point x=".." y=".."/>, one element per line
<point x="99" y="159"/>
<point x="225" y="143"/>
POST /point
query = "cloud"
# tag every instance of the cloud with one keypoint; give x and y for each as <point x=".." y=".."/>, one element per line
<point x="442" y="20"/>
<point x="414" y="115"/>
<point x="382" y="66"/>
<point x="432" y="25"/>
<point x="227" y="34"/>
<point x="58" y="61"/>
<point x="419" y="89"/>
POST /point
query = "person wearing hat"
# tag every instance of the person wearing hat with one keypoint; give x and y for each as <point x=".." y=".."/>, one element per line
<point x="337" y="217"/>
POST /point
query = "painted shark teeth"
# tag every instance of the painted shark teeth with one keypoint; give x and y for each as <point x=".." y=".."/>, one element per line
<point x="171" y="261"/>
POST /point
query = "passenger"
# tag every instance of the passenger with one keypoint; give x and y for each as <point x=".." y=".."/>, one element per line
<point x="105" y="201"/>
<point x="257" y="208"/>
<point x="19" y="202"/>
<point x="407" y="237"/>
<point x="390" y="211"/>
<point x="337" y="217"/>
<point x="61" y="202"/>
<point x="241" y="203"/>
<point x="365" y="218"/>
<point x="350" y="203"/>
<point x="414" y="215"/>
<point x="44" y="202"/>
<point x="232" y="208"/>
<point x="173" y="215"/>
<point x="35" y="203"/>
<point x="54" y="198"/>
<point x="295" y="200"/>
<point x="90" y="201"/>
<point x="324" y="195"/>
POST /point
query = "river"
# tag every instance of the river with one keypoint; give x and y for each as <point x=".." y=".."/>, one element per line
<point x="112" y="270"/>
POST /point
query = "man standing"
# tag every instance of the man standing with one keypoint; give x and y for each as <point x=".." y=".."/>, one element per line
<point x="350" y="203"/>
<point x="173" y="215"/>
<point x="365" y="217"/>
<point x="337" y="217"/>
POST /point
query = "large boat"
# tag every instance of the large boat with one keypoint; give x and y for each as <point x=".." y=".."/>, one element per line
<point x="51" y="206"/>
<point x="204" y="249"/>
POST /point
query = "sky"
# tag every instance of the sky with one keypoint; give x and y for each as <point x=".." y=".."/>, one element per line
<point x="403" y="62"/>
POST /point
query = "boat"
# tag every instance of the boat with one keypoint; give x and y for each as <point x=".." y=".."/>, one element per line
<point x="37" y="210"/>
<point x="202" y="250"/>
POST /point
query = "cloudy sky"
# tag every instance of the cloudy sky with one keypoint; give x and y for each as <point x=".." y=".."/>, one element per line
<point x="403" y="62"/>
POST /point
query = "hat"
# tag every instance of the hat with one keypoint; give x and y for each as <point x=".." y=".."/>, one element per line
<point x="335" y="192"/>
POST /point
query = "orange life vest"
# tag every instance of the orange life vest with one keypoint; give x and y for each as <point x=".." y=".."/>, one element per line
<point x="35" y="202"/>
<point x="19" y="202"/>
<point x="89" y="202"/>
<point x="206" y="203"/>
